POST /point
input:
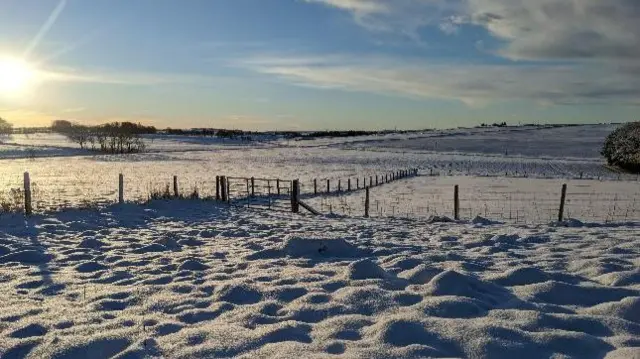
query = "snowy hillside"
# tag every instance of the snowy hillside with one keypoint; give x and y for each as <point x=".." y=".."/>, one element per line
<point x="194" y="280"/>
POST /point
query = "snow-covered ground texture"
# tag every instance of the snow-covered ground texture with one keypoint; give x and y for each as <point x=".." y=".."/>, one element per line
<point x="192" y="279"/>
<point x="584" y="141"/>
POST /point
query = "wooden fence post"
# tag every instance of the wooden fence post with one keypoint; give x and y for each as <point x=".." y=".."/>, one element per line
<point x="456" y="203"/>
<point x="223" y="188"/>
<point x="376" y="180"/>
<point x="315" y="186"/>
<point x="227" y="190"/>
<point x="28" y="209"/>
<point x="357" y="183"/>
<point x="175" y="186"/>
<point x="278" y="185"/>
<point x="328" y="186"/>
<point x="295" y="191"/>
<point x="339" y="185"/>
<point x="563" y="197"/>
<point x="253" y="187"/>
<point x="121" y="189"/>
<point x="366" y="203"/>
<point x="349" y="184"/>
<point x="217" y="188"/>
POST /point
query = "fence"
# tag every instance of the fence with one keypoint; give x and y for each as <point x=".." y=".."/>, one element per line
<point x="415" y="199"/>
<point x="509" y="205"/>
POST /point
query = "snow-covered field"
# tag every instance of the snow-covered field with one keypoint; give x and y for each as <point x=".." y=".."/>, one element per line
<point x="194" y="279"/>
<point x="67" y="181"/>
<point x="200" y="279"/>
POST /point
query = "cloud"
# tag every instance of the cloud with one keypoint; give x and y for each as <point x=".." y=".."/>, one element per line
<point x="404" y="17"/>
<point x="129" y="78"/>
<point x="469" y="83"/>
<point x="561" y="29"/>
<point x="576" y="30"/>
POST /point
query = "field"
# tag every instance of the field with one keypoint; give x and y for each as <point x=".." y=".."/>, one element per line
<point x="85" y="277"/>
<point x="521" y="186"/>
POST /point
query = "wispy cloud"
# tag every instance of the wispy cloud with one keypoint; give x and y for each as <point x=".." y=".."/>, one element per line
<point x="471" y="84"/>
<point x="130" y="78"/>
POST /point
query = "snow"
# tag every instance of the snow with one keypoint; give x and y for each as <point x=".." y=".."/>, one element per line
<point x="200" y="279"/>
<point x="226" y="282"/>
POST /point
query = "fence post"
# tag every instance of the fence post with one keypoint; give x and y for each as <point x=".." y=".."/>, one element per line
<point x="357" y="183"/>
<point x="456" y="203"/>
<point x="366" y="203"/>
<point x="315" y="186"/>
<point x="223" y="188"/>
<point x="563" y="197"/>
<point x="253" y="187"/>
<point x="175" y="186"/>
<point x="28" y="210"/>
<point x="227" y="190"/>
<point x="278" y="185"/>
<point x="376" y="180"/>
<point x="339" y="185"/>
<point x="348" y="184"/>
<point x="295" y="205"/>
<point x="121" y="189"/>
<point x="328" y="186"/>
<point x="217" y="188"/>
<point x="370" y="181"/>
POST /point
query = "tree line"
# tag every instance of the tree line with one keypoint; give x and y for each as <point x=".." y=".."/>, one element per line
<point x="114" y="137"/>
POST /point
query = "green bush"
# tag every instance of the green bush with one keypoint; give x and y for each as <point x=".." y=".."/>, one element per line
<point x="622" y="147"/>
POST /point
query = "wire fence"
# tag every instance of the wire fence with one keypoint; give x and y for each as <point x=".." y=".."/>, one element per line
<point x="417" y="197"/>
<point x="510" y="205"/>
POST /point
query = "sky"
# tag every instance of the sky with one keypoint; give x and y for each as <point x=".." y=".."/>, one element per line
<point x="320" y="64"/>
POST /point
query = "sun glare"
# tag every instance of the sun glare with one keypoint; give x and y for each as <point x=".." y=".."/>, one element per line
<point x="16" y="77"/>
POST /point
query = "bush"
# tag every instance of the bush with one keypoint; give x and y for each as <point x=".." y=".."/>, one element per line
<point x="622" y="147"/>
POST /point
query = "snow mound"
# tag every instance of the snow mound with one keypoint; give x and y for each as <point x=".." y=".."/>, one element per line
<point x="559" y="293"/>
<point x="620" y="279"/>
<point x="520" y="276"/>
<point x="421" y="274"/>
<point x="505" y="238"/>
<point x="628" y="308"/>
<point x="168" y="242"/>
<point x="452" y="307"/>
<point x="91" y="243"/>
<point x="624" y="353"/>
<point x="151" y="248"/>
<point x="319" y="247"/>
<point x="484" y="221"/>
<point x="439" y="219"/>
<point x="365" y="269"/>
<point x="239" y="294"/>
<point x="452" y="283"/>
<point x="193" y="265"/>
<point x="26" y="257"/>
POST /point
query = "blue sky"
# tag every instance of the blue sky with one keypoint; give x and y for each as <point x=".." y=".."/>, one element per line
<point x="323" y="64"/>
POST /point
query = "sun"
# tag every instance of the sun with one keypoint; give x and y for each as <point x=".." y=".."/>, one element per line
<point x="16" y="76"/>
